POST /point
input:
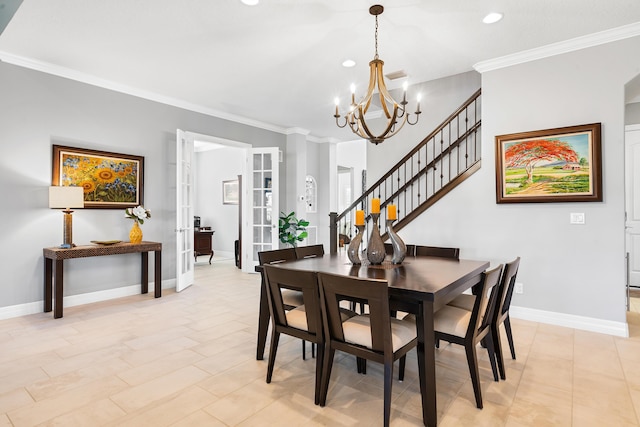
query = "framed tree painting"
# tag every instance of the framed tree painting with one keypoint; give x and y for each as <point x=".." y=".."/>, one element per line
<point x="552" y="165"/>
<point x="109" y="180"/>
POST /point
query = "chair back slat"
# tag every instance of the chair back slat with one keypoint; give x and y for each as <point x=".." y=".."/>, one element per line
<point x="442" y="252"/>
<point x="303" y="281"/>
<point x="334" y="289"/>
<point x="309" y="251"/>
<point x="276" y="255"/>
<point x="485" y="305"/>
<point x="507" y="284"/>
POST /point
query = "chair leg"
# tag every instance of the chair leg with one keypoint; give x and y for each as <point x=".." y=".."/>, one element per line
<point x="304" y="351"/>
<point x="497" y="347"/>
<point x="388" y="382"/>
<point x="313" y="349"/>
<point x="318" y="372"/>
<point x="507" y="328"/>
<point x="402" y="364"/>
<point x="472" y="360"/>
<point x="492" y="356"/>
<point x="275" y="337"/>
<point x="327" y="364"/>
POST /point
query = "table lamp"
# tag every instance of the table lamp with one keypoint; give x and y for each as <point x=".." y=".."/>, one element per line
<point x="66" y="198"/>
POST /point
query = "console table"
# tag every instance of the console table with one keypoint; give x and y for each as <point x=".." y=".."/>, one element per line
<point x="202" y="243"/>
<point x="53" y="277"/>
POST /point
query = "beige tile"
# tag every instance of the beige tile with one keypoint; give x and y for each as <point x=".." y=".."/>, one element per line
<point x="95" y="413"/>
<point x="151" y="391"/>
<point x="188" y="359"/>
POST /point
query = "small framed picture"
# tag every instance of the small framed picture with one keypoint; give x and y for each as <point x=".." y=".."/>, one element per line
<point x="230" y="192"/>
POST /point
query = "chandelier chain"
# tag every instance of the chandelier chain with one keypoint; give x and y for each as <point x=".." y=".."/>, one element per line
<point x="376" y="35"/>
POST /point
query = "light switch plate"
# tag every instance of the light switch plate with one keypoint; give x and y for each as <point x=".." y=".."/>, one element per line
<point x="576" y="218"/>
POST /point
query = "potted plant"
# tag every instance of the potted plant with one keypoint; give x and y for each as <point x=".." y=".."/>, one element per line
<point x="292" y="230"/>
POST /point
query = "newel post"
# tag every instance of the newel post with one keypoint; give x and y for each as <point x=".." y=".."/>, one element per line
<point x="333" y="232"/>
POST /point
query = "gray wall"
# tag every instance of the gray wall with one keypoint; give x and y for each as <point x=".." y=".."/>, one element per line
<point x="38" y="110"/>
<point x="571" y="269"/>
<point x="632" y="113"/>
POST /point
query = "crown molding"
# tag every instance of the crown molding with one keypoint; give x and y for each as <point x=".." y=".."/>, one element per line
<point x="583" y="42"/>
<point x="68" y="73"/>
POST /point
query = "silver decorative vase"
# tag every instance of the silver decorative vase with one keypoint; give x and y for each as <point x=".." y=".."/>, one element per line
<point x="353" y="252"/>
<point x="375" y="248"/>
<point x="399" y="248"/>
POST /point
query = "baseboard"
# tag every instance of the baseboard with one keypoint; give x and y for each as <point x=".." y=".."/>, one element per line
<point x="80" y="299"/>
<point x="619" y="329"/>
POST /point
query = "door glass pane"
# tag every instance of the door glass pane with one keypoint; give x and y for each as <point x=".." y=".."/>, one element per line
<point x="257" y="180"/>
<point x="257" y="161"/>
<point x="267" y="161"/>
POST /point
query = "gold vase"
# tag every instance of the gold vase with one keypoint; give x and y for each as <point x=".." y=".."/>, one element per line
<point x="135" y="235"/>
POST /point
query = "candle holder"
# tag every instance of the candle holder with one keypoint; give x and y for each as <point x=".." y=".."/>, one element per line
<point x="399" y="248"/>
<point x="375" y="248"/>
<point x="353" y="252"/>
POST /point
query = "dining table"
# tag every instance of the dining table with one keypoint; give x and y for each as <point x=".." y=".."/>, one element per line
<point x="420" y="285"/>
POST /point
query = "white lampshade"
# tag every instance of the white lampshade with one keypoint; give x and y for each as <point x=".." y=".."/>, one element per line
<point x="66" y="197"/>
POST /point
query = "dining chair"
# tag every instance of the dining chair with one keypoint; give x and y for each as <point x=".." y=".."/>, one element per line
<point x="304" y="321"/>
<point x="373" y="336"/>
<point x="442" y="252"/>
<point x="501" y="316"/>
<point x="291" y="298"/>
<point x="467" y="328"/>
<point x="309" y="251"/>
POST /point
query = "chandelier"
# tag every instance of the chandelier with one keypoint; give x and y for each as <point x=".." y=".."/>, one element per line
<point x="394" y="112"/>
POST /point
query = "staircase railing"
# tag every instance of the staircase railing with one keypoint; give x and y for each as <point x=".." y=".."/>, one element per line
<point x="445" y="158"/>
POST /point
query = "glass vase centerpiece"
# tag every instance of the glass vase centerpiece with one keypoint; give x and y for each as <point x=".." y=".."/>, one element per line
<point x="375" y="247"/>
<point x="353" y="252"/>
<point x="138" y="215"/>
<point x="399" y="248"/>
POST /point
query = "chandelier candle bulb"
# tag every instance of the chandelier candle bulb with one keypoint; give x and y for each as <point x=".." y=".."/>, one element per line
<point x="391" y="213"/>
<point x="375" y="205"/>
<point x="359" y="218"/>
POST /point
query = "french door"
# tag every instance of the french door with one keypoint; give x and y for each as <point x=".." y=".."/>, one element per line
<point x="184" y="210"/>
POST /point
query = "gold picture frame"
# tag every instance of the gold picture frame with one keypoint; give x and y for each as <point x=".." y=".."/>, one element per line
<point x="551" y="165"/>
<point x="110" y="180"/>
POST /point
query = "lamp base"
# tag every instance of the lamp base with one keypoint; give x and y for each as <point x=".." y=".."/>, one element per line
<point x="67" y="230"/>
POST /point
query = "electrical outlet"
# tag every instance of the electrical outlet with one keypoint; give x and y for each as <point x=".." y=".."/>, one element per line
<point x="519" y="288"/>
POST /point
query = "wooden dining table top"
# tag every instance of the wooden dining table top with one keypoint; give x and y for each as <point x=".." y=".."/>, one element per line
<point x="424" y="278"/>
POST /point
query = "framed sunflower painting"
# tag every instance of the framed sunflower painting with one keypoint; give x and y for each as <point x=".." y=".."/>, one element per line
<point x="109" y="180"/>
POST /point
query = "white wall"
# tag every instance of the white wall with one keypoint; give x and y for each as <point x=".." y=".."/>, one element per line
<point x="575" y="270"/>
<point x="213" y="167"/>
<point x="632" y="113"/>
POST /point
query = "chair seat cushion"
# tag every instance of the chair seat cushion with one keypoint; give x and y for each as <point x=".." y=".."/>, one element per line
<point x="463" y="301"/>
<point x="292" y="298"/>
<point x="297" y="318"/>
<point x="452" y="320"/>
<point x="357" y="330"/>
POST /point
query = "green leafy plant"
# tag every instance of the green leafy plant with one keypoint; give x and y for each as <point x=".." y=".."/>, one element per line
<point x="292" y="230"/>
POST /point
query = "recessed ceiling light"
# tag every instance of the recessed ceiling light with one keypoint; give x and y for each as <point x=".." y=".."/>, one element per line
<point x="348" y="63"/>
<point x="492" y="18"/>
<point x="250" y="2"/>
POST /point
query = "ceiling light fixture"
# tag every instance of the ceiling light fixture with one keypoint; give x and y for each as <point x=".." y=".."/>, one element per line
<point x="348" y="63"/>
<point x="250" y="2"/>
<point x="394" y="112"/>
<point x="492" y="18"/>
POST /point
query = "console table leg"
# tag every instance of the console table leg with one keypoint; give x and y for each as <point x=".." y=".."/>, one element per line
<point x="48" y="284"/>
<point x="58" y="286"/>
<point x="158" y="274"/>
<point x="144" y="280"/>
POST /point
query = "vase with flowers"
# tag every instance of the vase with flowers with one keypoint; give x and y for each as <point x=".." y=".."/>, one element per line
<point x="138" y="215"/>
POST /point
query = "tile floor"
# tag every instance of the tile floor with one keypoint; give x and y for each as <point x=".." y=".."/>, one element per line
<point x="189" y="360"/>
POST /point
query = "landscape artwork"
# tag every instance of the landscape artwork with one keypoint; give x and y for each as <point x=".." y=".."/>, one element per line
<point x="109" y="180"/>
<point x="552" y="165"/>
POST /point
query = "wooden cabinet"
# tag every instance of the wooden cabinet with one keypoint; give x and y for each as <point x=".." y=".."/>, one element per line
<point x="202" y="244"/>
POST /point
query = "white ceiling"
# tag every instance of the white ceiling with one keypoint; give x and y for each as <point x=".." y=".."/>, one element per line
<point x="279" y="63"/>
